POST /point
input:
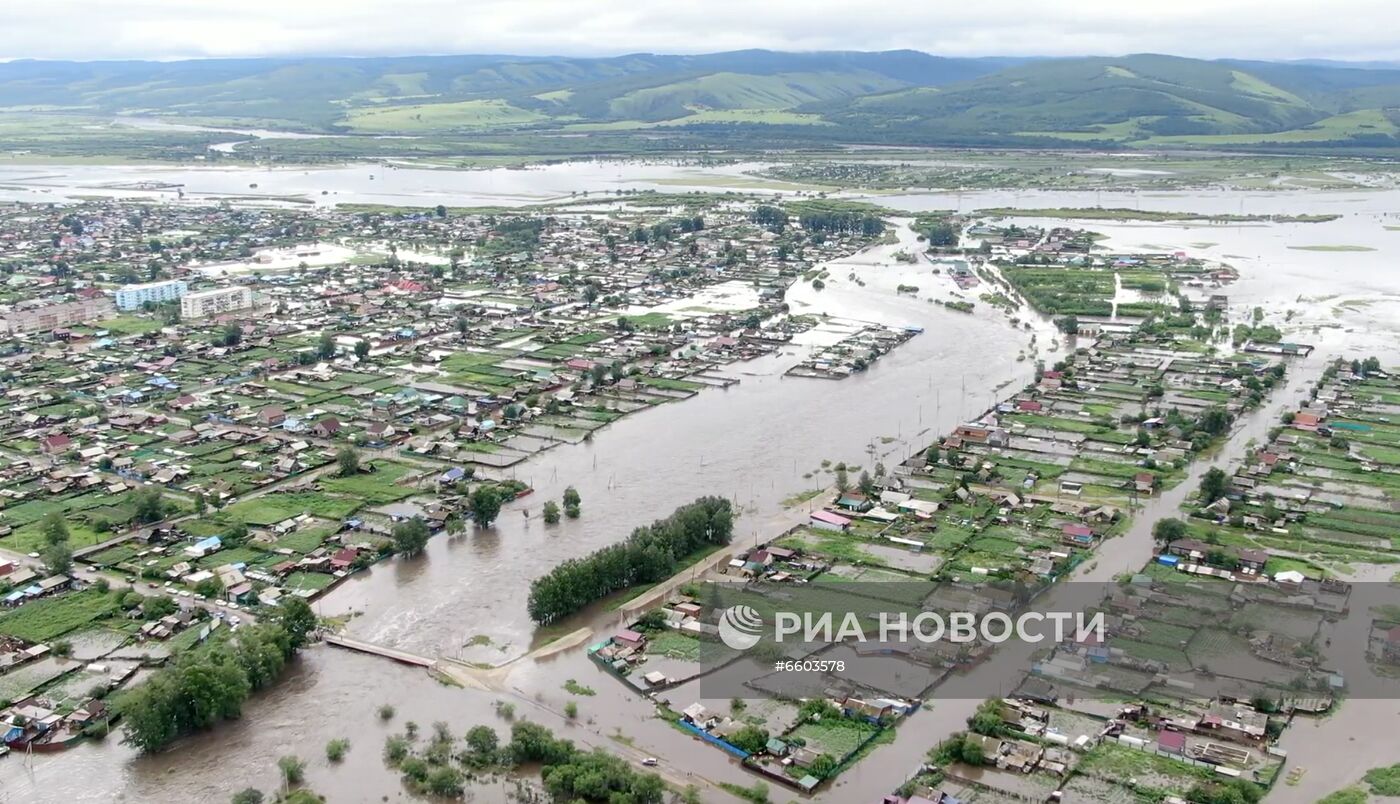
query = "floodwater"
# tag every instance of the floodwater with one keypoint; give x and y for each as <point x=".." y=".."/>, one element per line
<point x="754" y="443"/>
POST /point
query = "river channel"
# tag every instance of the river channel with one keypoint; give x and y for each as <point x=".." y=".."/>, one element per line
<point x="757" y="442"/>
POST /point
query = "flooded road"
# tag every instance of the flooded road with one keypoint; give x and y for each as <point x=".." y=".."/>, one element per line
<point x="756" y="442"/>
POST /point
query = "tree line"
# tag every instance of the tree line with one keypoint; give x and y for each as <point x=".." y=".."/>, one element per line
<point x="209" y="685"/>
<point x="842" y="222"/>
<point x="650" y="554"/>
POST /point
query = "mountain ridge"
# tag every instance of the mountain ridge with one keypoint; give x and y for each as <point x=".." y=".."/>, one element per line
<point x="894" y="97"/>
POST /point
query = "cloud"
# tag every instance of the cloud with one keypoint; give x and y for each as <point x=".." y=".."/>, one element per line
<point x="166" y="29"/>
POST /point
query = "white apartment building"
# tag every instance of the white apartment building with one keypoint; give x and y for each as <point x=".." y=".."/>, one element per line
<point x="204" y="303"/>
<point x="131" y="297"/>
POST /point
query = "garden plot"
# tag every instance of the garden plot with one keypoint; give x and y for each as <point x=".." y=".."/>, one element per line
<point x="1297" y="624"/>
<point x="27" y="678"/>
<point x="1116" y="762"/>
<point x="95" y="643"/>
<point x="837" y="737"/>
<point x="924" y="562"/>
<point x="1095" y="790"/>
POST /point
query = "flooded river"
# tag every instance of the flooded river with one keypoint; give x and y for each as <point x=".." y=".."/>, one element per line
<point x="756" y="442"/>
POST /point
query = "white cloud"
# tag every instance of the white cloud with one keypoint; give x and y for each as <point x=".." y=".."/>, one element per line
<point x="163" y="29"/>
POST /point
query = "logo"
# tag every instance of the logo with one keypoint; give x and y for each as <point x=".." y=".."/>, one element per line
<point x="740" y="627"/>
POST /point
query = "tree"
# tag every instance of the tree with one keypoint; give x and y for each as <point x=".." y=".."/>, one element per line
<point x="248" y="795"/>
<point x="482" y="743"/>
<point x="970" y="752"/>
<point x="485" y="504"/>
<point x="54" y="528"/>
<point x="1169" y="530"/>
<point x="410" y="536"/>
<point x="362" y="349"/>
<point x="570" y="709"/>
<point x="157" y="606"/>
<point x="1212" y="486"/>
<point x="750" y="738"/>
<point x="347" y="461"/>
<point x="866" y="484"/>
<point x="444" y="781"/>
<point x="325" y="346"/>
<point x="200" y="503"/>
<point x="293" y="769"/>
<point x="823" y="766"/>
<point x="295" y="616"/>
<point x="571" y="502"/>
<point x="551" y="513"/>
<point x="1214" y="421"/>
<point x="843" y="481"/>
<point x="649" y="555"/>
<point x="149" y="505"/>
<point x="57" y="558"/>
<point x="987" y="719"/>
<point x="1069" y="324"/>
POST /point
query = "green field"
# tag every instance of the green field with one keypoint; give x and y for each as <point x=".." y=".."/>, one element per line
<point x="51" y="617"/>
<point x="428" y="117"/>
<point x="272" y="508"/>
<point x="835" y="736"/>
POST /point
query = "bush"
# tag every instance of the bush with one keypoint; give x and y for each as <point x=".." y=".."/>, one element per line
<point x="396" y="750"/>
<point x="293" y="768"/>
<point x="335" y="749"/>
<point x="386" y="712"/>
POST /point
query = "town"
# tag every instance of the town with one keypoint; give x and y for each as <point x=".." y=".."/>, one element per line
<point x="220" y="414"/>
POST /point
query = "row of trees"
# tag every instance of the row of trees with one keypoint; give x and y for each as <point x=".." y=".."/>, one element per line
<point x="842" y="222"/>
<point x="210" y="684"/>
<point x="649" y="555"/>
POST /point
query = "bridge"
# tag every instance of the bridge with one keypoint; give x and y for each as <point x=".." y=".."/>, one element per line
<point x="360" y="646"/>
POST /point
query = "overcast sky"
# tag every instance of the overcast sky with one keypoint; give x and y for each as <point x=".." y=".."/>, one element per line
<point x="166" y="29"/>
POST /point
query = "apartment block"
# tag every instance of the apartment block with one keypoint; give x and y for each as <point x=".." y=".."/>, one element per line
<point x="132" y="297"/>
<point x="204" y="303"/>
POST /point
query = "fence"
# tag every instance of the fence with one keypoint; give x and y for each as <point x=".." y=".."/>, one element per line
<point x="713" y="740"/>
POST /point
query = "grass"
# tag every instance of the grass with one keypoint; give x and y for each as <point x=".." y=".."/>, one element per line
<point x="307" y="580"/>
<point x="1336" y="128"/>
<point x="429" y="117"/>
<point x="374" y="488"/>
<point x="273" y="508"/>
<point x="801" y="497"/>
<point x="129" y="325"/>
<point x="1115" y="761"/>
<point x="835" y="736"/>
<point x="1384" y="781"/>
<point x="674" y="645"/>
<point x="51" y="617"/>
<point x="772" y="117"/>
<point x="575" y="688"/>
<point x="669" y="384"/>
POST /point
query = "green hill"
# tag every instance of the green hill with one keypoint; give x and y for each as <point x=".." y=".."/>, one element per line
<point x="1145" y="99"/>
<point x="327" y="93"/>
<point x="895" y="97"/>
